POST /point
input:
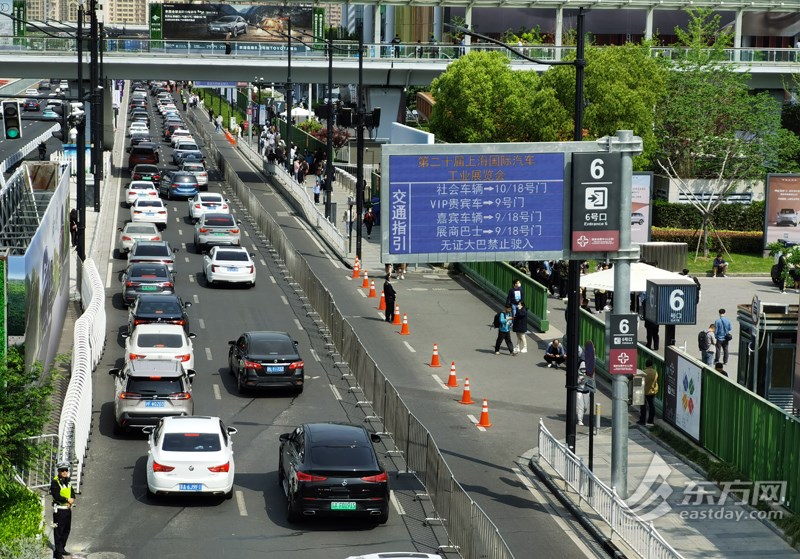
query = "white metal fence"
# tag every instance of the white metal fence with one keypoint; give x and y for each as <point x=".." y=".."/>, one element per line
<point x="15" y="158"/>
<point x="88" y="344"/>
<point x="638" y="534"/>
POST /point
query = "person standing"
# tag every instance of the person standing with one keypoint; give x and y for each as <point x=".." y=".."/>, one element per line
<point x="653" y="336"/>
<point x="369" y="221"/>
<point x="349" y="218"/>
<point x="706" y="343"/>
<point x="73" y="226"/>
<point x="555" y="354"/>
<point x="228" y="43"/>
<point x="396" y="46"/>
<point x="586" y="387"/>
<point x="317" y="189"/>
<point x="63" y="499"/>
<point x="503" y="332"/>
<point x="782" y="272"/>
<point x="648" y="409"/>
<point x="390" y="296"/>
<point x="514" y="296"/>
<point x="42" y="151"/>
<point x="724" y="333"/>
<point x="519" y="325"/>
<point x="219" y="124"/>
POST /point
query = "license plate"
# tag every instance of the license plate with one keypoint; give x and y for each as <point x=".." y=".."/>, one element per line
<point x="233" y="269"/>
<point x="149" y="214"/>
<point x="155" y="404"/>
<point x="213" y="206"/>
<point x="274" y="369"/>
<point x="192" y="487"/>
<point x="147" y="288"/>
<point x="344" y="505"/>
<point x="220" y="234"/>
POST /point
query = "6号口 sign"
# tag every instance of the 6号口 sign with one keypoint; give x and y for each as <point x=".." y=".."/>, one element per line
<point x="596" y="195"/>
<point x="622" y="343"/>
<point x="671" y="302"/>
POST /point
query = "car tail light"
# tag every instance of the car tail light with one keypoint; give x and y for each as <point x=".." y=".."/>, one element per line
<point x="251" y="268"/>
<point x="167" y="284"/>
<point x="139" y="321"/>
<point x="180" y="396"/>
<point x="224" y="206"/>
<point x="183" y="358"/>
<point x="162" y="212"/>
<point x="130" y="284"/>
<point x="126" y="238"/>
<point x="233" y="231"/>
<point x="203" y="174"/>
<point x="203" y="230"/>
<point x="198" y="206"/>
<point x="156" y="239"/>
<point x="137" y="177"/>
<point x="179" y="322"/>
<point x="133" y="356"/>
<point x="302" y="476"/>
<point x="130" y="396"/>
<point x="162" y="468"/>
<point x="380" y="478"/>
<point x="252" y="365"/>
<point x="296" y="365"/>
<point x="214" y="267"/>
<point x="220" y="469"/>
<point x="137" y="212"/>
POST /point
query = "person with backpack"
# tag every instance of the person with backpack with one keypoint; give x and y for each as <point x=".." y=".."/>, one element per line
<point x="723" y="329"/>
<point x="706" y="343"/>
<point x="514" y="296"/>
<point x="502" y="321"/>
<point x="555" y="354"/>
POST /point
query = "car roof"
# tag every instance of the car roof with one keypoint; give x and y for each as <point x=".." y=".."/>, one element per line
<point x="148" y="202"/>
<point x="190" y="423"/>
<point x="337" y="433"/>
<point x="142" y="182"/>
<point x="146" y="167"/>
<point x="141" y="224"/>
<point x="161" y="243"/>
<point x="153" y="367"/>
<point x="148" y="297"/>
<point x="210" y="195"/>
<point x="266" y="335"/>
<point x="139" y="265"/>
<point x="397" y="555"/>
<point x="158" y="328"/>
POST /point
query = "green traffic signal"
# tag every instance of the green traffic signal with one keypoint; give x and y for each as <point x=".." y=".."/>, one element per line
<point x="11" y="120"/>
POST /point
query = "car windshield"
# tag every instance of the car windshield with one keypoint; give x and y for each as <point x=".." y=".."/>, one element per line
<point x="148" y="271"/>
<point x="157" y="386"/>
<point x="187" y="146"/>
<point x="342" y="457"/>
<point x="232" y="256"/>
<point x="142" y="229"/>
<point x="152" y="250"/>
<point x="145" y="169"/>
<point x="219" y="220"/>
<point x="191" y="442"/>
<point x="171" y="341"/>
<point x="193" y="167"/>
<point x="272" y="347"/>
<point x="149" y="203"/>
<point x="227" y="18"/>
<point x="159" y="307"/>
<point x="141" y="185"/>
<point x="189" y="179"/>
<point x="787" y="211"/>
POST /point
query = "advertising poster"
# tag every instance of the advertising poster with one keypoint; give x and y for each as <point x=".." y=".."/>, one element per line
<point x="682" y="394"/>
<point x="641" y="216"/>
<point x="246" y="24"/>
<point x="670" y="381"/>
<point x="783" y="209"/>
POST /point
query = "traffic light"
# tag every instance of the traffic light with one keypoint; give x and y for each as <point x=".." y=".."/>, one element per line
<point x="12" y="123"/>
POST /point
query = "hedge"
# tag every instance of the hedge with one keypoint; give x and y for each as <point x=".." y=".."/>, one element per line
<point x="734" y="217"/>
<point x="20" y="515"/>
<point x="742" y="242"/>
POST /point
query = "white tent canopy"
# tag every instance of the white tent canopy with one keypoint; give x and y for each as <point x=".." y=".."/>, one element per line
<point x="640" y="273"/>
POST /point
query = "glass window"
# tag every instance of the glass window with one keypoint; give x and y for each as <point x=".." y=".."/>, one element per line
<point x="171" y="341"/>
<point x="151" y="386"/>
<point x="282" y="346"/>
<point x="191" y="442"/>
<point x="336" y="457"/>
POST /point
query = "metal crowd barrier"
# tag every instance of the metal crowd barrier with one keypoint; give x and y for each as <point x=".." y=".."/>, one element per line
<point x="640" y="536"/>
<point x="469" y="529"/>
<point x="75" y="425"/>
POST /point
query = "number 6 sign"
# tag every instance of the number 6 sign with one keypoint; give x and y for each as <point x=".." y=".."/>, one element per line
<point x="622" y="350"/>
<point x="671" y="301"/>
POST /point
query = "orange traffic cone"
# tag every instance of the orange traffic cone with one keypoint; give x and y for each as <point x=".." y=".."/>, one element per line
<point x="466" y="397"/>
<point x="452" y="380"/>
<point x="372" y="294"/>
<point x="484" y="420"/>
<point x="404" y="329"/>
<point x="356" y="269"/>
<point x="382" y="304"/>
<point x="396" y="321"/>
<point x="365" y="283"/>
<point x="435" y="358"/>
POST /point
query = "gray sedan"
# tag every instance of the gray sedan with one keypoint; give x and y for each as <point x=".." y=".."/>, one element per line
<point x="133" y="232"/>
<point x="216" y="229"/>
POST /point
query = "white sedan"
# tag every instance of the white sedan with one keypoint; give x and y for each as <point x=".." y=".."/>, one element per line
<point x="133" y="232"/>
<point x="145" y="190"/>
<point x="138" y="125"/>
<point x="207" y="202"/>
<point x="190" y="454"/>
<point x="160" y="341"/>
<point x="229" y="264"/>
<point x="181" y="134"/>
<point x="149" y="211"/>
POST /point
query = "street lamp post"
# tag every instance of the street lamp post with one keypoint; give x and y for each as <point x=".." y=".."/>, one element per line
<point x="289" y="88"/>
<point x="81" y="147"/>
<point x="360" y="142"/>
<point x="329" y="145"/>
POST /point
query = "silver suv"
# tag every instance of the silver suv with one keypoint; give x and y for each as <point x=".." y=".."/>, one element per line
<point x="787" y="216"/>
<point x="147" y="390"/>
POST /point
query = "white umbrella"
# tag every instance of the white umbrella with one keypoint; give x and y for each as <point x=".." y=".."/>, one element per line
<point x="640" y="273"/>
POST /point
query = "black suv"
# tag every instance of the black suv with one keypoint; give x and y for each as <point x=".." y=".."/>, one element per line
<point x="266" y="360"/>
<point x="158" y="308"/>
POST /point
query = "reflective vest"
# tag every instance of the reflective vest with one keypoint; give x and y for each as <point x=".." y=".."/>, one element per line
<point x="65" y="490"/>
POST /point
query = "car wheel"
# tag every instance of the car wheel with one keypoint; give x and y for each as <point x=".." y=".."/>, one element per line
<point x="291" y="511"/>
<point x="240" y="388"/>
<point x="298" y="390"/>
<point x="150" y="495"/>
<point x="229" y="495"/>
<point x="119" y="430"/>
<point x="280" y="474"/>
<point x="384" y="516"/>
<point x="231" y="369"/>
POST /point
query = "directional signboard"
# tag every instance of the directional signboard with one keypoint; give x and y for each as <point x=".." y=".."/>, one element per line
<point x="671" y="301"/>
<point x="621" y="335"/>
<point x="445" y="207"/>
<point x="596" y="195"/>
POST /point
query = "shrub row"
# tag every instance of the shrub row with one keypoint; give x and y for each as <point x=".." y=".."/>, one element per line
<point x="743" y="242"/>
<point x="20" y="515"/>
<point x="734" y="217"/>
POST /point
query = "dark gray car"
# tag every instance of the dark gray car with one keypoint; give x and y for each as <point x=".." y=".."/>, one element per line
<point x="153" y="252"/>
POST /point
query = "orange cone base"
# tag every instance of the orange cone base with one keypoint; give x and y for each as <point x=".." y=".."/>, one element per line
<point x="356" y="272"/>
<point x="452" y="380"/>
<point x="484" y="420"/>
<point x="396" y="321"/>
<point x="372" y="294"/>
<point x="404" y="330"/>
<point x="382" y="304"/>
<point x="365" y="283"/>
<point x="466" y="397"/>
<point x="435" y="357"/>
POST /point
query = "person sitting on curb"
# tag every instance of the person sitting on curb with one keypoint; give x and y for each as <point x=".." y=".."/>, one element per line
<point x="720" y="266"/>
<point x="555" y="354"/>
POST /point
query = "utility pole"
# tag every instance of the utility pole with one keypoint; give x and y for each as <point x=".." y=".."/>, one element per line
<point x="289" y="88"/>
<point x="329" y="145"/>
<point x="80" y="147"/>
<point x="360" y="142"/>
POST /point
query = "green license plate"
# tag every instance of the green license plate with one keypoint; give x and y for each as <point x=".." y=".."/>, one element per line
<point x="345" y="505"/>
<point x="147" y="288"/>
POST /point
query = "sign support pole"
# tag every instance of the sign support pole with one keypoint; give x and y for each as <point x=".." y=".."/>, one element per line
<point x="628" y="145"/>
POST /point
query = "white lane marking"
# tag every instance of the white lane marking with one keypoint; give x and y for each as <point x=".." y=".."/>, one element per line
<point x="195" y="298"/>
<point x="180" y="232"/>
<point x="284" y="299"/>
<point x="272" y="279"/>
<point x="108" y="274"/>
<point x="262" y="261"/>
<point x="183" y="246"/>
<point x="185" y="258"/>
<point x="201" y="322"/>
<point x="217" y="395"/>
<point x="314" y="240"/>
<point x="314" y="378"/>
<point x="411" y="349"/>
<point x="177" y="219"/>
<point x="335" y="392"/>
<point x="208" y="354"/>
<point x="440" y="382"/>
<point x="397" y="506"/>
<point x="297" y="323"/>
<point x="240" y="503"/>
<point x="246" y="234"/>
<point x="381" y="314"/>
<point x="475" y="422"/>
<point x="360" y="292"/>
<point x="315" y="355"/>
<point x="191" y="278"/>
<point x="555" y="516"/>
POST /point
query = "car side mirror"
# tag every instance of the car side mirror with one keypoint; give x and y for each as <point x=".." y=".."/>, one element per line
<point x="191" y="373"/>
<point x="253" y="255"/>
<point x="127" y="150"/>
<point x="187" y="304"/>
<point x="375" y="438"/>
<point x="148" y="430"/>
<point x="232" y="430"/>
<point x="114" y="372"/>
<point x="125" y="335"/>
<point x="231" y="342"/>
<point x="119" y="229"/>
<point x="192" y="335"/>
<point x="295" y="342"/>
<point x="284" y="437"/>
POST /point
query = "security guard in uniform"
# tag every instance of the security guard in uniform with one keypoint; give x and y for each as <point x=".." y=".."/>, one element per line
<point x="63" y="499"/>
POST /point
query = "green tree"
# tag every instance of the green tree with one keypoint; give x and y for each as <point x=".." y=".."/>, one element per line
<point x="708" y="124"/>
<point x="479" y="99"/>
<point x="622" y="85"/>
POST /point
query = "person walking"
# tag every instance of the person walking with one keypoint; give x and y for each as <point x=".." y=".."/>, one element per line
<point x="519" y="325"/>
<point x="73" y="226"/>
<point x="586" y="387"/>
<point x="706" y="343"/>
<point x="42" y="151"/>
<point x="317" y="189"/>
<point x="555" y="354"/>
<point x="503" y="331"/>
<point x="63" y="499"/>
<point x="647" y="411"/>
<point x="724" y="333"/>
<point x="369" y="221"/>
<point x="228" y="43"/>
<point x="653" y="336"/>
<point x="514" y="296"/>
<point x="349" y="219"/>
<point x="782" y="273"/>
<point x="390" y="297"/>
<point x="218" y="124"/>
